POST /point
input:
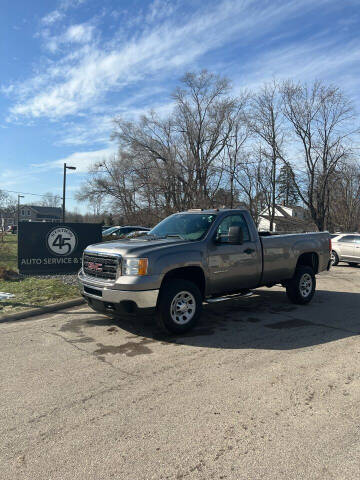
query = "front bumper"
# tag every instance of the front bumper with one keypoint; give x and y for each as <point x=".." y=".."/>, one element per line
<point x="142" y="299"/>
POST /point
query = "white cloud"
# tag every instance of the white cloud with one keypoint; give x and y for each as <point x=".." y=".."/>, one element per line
<point x="99" y="69"/>
<point x="160" y="9"/>
<point x="81" y="160"/>
<point x="66" y="4"/>
<point x="59" y="13"/>
<point x="96" y="128"/>
<point x="10" y="178"/>
<point x="307" y="61"/>
<point x="81" y="33"/>
<point x="52" y="17"/>
<point x="6" y="90"/>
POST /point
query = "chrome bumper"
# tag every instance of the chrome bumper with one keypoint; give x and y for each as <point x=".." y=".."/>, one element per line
<point x="142" y="298"/>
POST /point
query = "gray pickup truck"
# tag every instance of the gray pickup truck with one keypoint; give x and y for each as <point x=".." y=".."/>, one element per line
<point x="195" y="257"/>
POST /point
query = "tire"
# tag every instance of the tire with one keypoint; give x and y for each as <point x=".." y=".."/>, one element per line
<point x="334" y="258"/>
<point x="352" y="264"/>
<point x="301" y="288"/>
<point x="175" y="297"/>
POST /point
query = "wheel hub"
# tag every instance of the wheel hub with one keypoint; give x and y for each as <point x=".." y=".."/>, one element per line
<point x="306" y="284"/>
<point x="183" y="307"/>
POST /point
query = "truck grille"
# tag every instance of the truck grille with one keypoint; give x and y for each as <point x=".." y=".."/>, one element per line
<point x="101" y="266"/>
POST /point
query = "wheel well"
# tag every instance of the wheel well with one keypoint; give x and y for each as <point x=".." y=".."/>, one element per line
<point x="193" y="274"/>
<point x="310" y="259"/>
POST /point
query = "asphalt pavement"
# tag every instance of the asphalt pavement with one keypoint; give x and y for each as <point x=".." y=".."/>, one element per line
<point x="261" y="389"/>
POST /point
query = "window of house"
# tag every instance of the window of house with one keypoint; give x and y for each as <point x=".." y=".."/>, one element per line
<point x="28" y="212"/>
<point x="22" y="212"/>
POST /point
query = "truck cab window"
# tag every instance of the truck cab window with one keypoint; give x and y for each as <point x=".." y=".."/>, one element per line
<point x="222" y="233"/>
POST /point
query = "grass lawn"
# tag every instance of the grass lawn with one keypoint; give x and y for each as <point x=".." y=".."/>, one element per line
<point x="29" y="292"/>
<point x="8" y="252"/>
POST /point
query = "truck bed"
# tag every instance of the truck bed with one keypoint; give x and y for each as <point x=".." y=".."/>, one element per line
<point x="282" y="251"/>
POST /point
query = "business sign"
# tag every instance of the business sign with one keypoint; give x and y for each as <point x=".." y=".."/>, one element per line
<point x="51" y="248"/>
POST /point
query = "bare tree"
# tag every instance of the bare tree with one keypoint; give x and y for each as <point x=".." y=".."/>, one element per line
<point x="322" y="121"/>
<point x="236" y="154"/>
<point x="215" y="149"/>
<point x="181" y="154"/>
<point x="344" y="190"/>
<point x="204" y="117"/>
<point x="252" y="178"/>
<point x="51" y="200"/>
<point x="94" y="199"/>
<point x="267" y="123"/>
<point x="8" y="209"/>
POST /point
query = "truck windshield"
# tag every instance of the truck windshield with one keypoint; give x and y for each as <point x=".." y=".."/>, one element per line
<point x="189" y="226"/>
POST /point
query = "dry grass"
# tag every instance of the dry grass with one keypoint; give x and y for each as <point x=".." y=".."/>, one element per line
<point x="33" y="292"/>
<point x="30" y="292"/>
<point x="8" y="252"/>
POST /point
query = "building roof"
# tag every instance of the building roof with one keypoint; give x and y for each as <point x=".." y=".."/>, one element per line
<point x="281" y="209"/>
<point x="291" y="224"/>
<point x="45" y="210"/>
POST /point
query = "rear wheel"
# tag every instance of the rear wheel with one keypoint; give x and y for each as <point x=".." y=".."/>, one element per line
<point x="301" y="288"/>
<point x="179" y="306"/>
<point x="334" y="258"/>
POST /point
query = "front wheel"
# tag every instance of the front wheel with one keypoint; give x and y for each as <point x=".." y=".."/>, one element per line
<point x="301" y="288"/>
<point x="179" y="306"/>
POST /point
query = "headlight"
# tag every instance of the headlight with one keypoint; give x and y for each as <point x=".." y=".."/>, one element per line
<point x="135" y="266"/>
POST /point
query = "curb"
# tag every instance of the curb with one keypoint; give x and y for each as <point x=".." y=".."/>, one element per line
<point x="34" y="312"/>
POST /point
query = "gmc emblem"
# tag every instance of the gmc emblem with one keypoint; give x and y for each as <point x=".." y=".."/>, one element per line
<point x="97" y="267"/>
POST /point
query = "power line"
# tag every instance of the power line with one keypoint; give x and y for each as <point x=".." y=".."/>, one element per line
<point x="25" y="193"/>
<point x="34" y="194"/>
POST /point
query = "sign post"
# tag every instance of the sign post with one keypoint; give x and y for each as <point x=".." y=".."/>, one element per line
<point x="54" y="248"/>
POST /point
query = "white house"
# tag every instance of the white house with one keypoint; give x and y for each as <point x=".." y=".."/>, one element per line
<point x="36" y="213"/>
<point x="286" y="219"/>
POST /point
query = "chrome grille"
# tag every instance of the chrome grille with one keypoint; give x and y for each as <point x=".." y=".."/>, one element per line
<point x="101" y="266"/>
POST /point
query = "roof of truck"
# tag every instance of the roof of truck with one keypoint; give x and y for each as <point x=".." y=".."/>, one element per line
<point x="213" y="210"/>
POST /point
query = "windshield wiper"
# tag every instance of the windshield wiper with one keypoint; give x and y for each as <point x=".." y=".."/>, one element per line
<point x="174" y="235"/>
<point x="153" y="236"/>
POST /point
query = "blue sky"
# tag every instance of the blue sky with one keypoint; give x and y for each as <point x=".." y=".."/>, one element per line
<point x="69" y="66"/>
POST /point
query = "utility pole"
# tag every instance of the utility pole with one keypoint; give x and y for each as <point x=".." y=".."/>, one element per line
<point x="66" y="167"/>
<point x="18" y="210"/>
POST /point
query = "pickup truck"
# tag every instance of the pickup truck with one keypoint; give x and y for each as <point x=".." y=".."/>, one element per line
<point x="195" y="257"/>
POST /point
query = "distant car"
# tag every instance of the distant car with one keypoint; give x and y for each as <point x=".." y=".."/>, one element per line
<point x="118" y="232"/>
<point x="105" y="227"/>
<point x="109" y="230"/>
<point x="12" y="229"/>
<point x="136" y="234"/>
<point x="345" y="248"/>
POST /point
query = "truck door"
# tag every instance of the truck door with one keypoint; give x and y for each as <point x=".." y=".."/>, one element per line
<point x="233" y="267"/>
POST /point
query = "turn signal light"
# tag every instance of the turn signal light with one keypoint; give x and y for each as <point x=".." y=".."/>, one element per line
<point x="143" y="266"/>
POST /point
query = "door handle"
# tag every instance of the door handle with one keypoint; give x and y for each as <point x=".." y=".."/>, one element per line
<point x="249" y="250"/>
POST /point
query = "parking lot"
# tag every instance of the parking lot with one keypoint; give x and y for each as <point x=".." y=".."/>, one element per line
<point x="260" y="389"/>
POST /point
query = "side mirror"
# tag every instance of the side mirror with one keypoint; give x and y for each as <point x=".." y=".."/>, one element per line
<point x="235" y="235"/>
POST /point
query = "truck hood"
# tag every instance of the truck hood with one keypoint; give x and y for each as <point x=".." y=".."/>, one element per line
<point x="135" y="246"/>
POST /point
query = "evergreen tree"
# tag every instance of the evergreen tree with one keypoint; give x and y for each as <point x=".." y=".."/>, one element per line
<point x="287" y="192"/>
